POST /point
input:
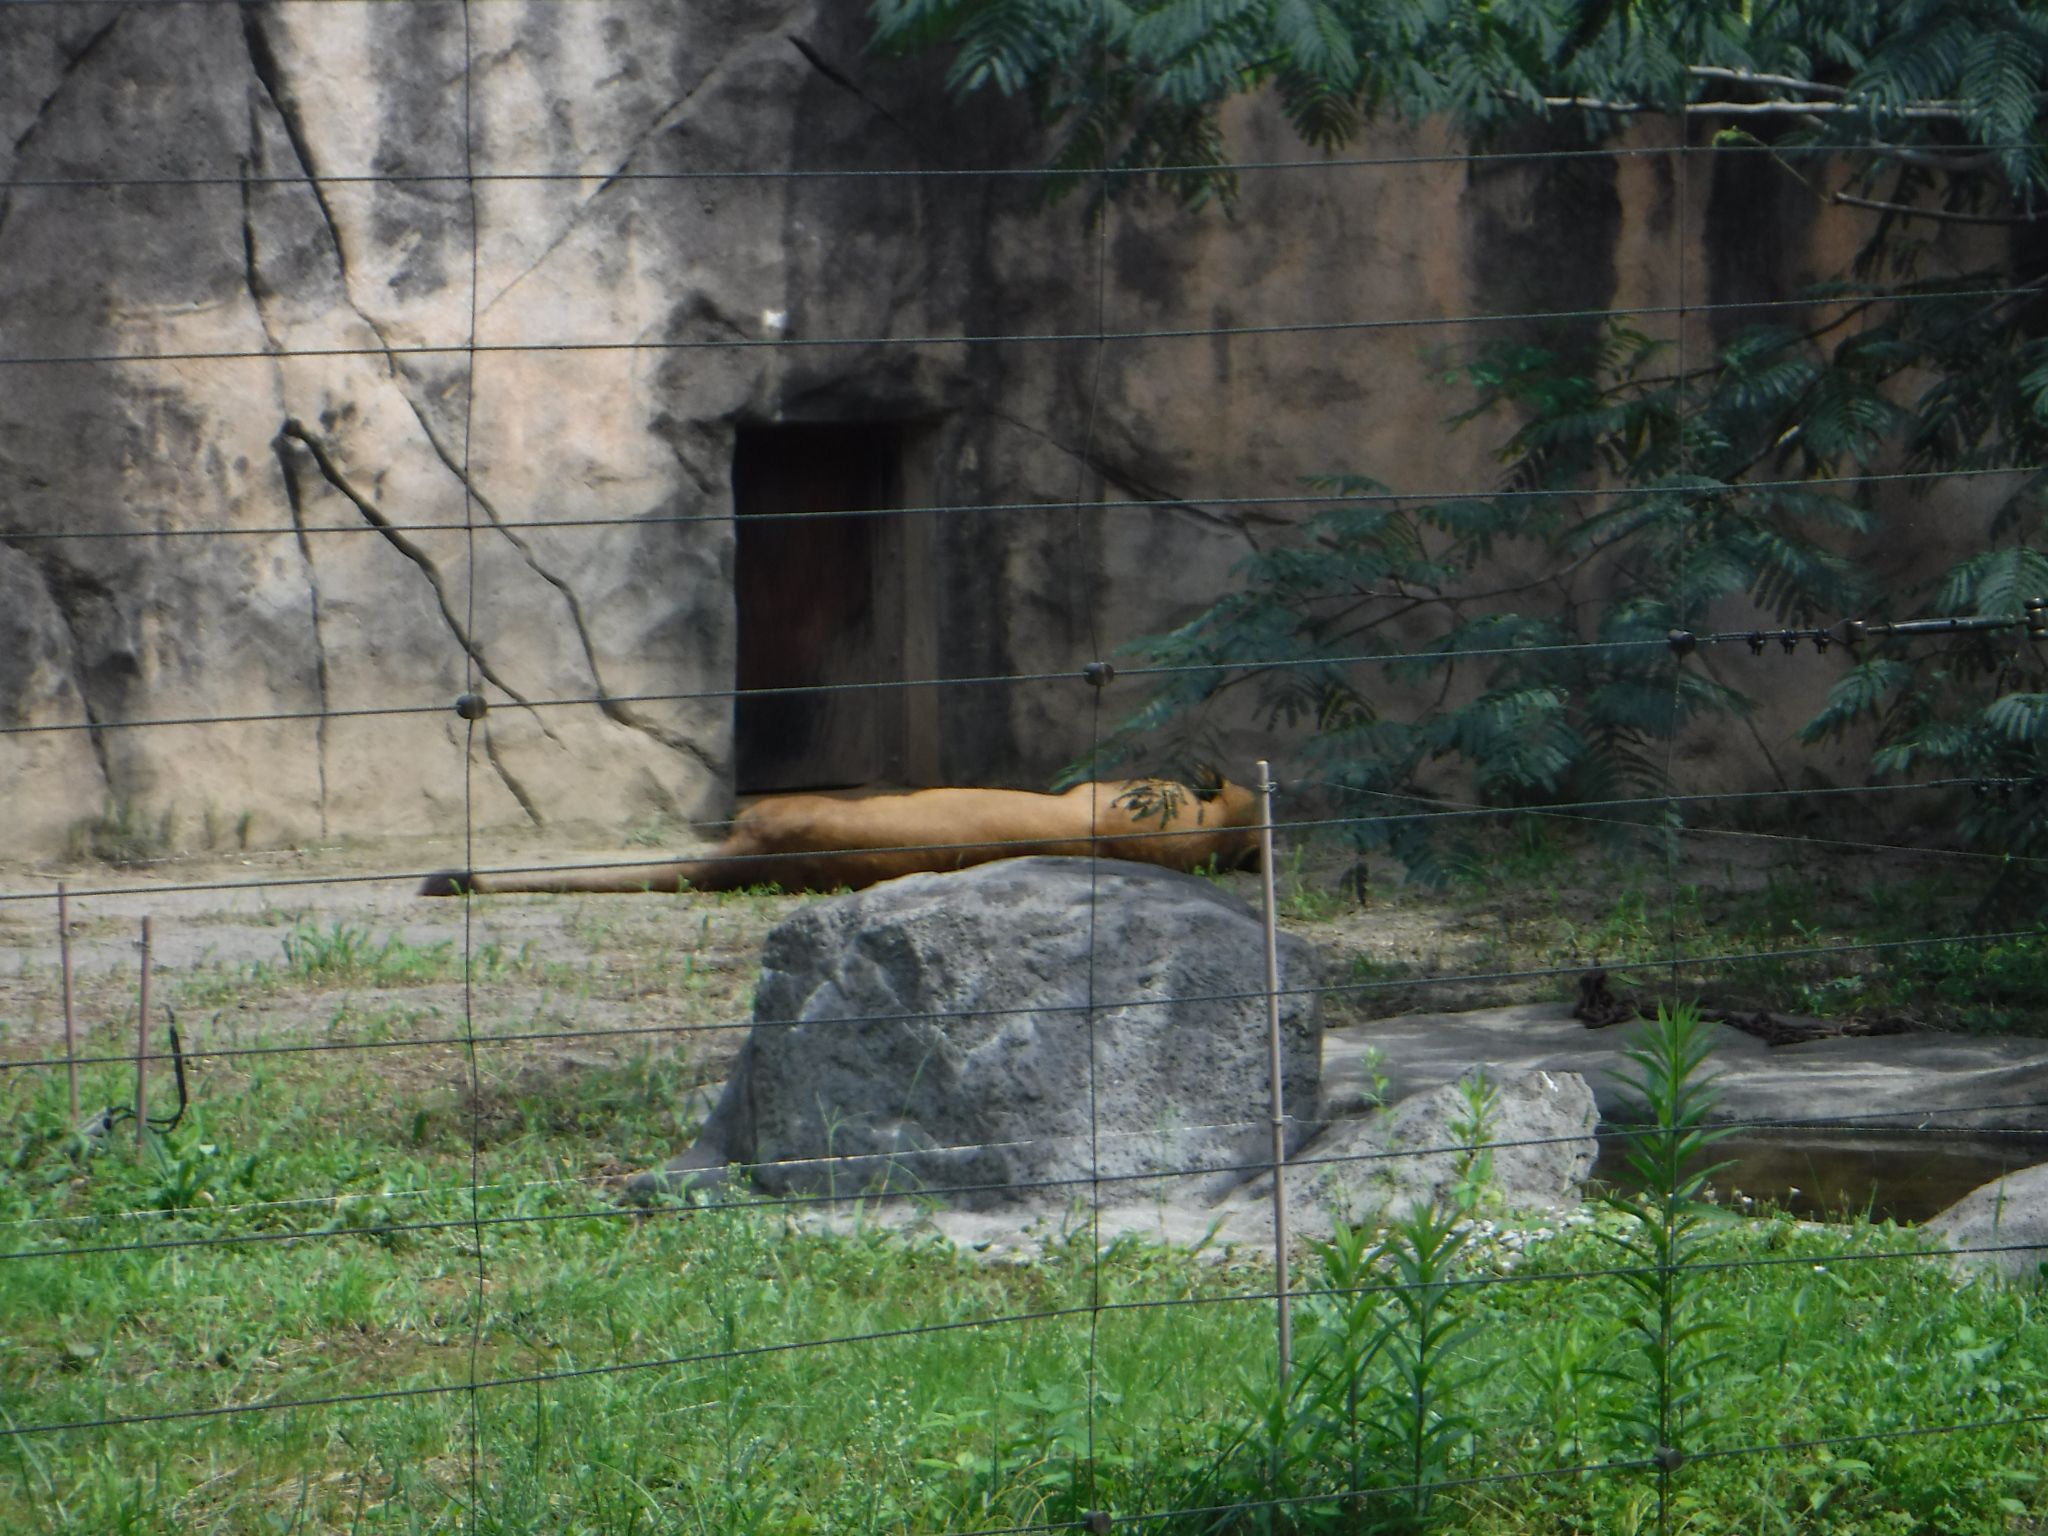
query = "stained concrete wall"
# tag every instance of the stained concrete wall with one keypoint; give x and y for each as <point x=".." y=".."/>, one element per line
<point x="263" y="210"/>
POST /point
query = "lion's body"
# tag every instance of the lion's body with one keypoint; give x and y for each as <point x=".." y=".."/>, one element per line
<point x="821" y="843"/>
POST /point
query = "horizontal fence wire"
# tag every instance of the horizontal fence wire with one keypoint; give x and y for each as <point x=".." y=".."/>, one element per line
<point x="1580" y="814"/>
<point x="1847" y="1125"/>
<point x="1508" y="494"/>
<point x="394" y="350"/>
<point x="772" y="174"/>
<point x="924" y="1330"/>
<point x="1681" y="962"/>
<point x="1674" y="640"/>
<point x="1447" y="811"/>
<point x="683" y="1198"/>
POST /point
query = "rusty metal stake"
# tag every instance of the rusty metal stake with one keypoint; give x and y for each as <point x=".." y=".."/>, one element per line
<point x="142" y="1050"/>
<point x="70" y="1012"/>
<point x="1282" y="1318"/>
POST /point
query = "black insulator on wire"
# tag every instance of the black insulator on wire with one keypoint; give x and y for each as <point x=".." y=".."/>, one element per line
<point x="99" y="1124"/>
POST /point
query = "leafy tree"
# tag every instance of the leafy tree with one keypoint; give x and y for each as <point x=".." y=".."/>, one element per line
<point x="1650" y="487"/>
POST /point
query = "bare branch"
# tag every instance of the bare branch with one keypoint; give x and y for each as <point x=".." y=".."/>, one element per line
<point x="1851" y="201"/>
<point x="1935" y="111"/>
<point x="1752" y="77"/>
<point x="1934" y="158"/>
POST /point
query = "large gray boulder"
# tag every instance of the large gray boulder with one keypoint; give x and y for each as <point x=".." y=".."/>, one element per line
<point x="936" y="1033"/>
<point x="2007" y="1219"/>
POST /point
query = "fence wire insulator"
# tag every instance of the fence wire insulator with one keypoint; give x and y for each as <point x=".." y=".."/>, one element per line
<point x="1682" y="642"/>
<point x="1667" y="1458"/>
<point x="1096" y="1522"/>
<point x="2037" y="618"/>
<point x="1853" y="631"/>
<point x="472" y="706"/>
<point x="1098" y="674"/>
<point x="1962" y="624"/>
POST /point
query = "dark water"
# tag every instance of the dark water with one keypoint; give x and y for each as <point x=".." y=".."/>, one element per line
<point x="1907" y="1176"/>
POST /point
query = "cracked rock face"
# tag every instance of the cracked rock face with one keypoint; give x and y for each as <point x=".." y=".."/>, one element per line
<point x="240" y="245"/>
<point x="357" y="503"/>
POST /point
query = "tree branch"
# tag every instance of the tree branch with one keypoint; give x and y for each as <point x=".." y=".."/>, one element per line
<point x="1753" y="77"/>
<point x="1939" y="111"/>
<point x="1850" y="200"/>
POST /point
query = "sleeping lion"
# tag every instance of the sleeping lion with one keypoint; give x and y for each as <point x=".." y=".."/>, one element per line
<point x="821" y="843"/>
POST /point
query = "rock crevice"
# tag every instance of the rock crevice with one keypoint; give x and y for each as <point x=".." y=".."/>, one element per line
<point x="277" y="91"/>
<point x="295" y="431"/>
<point x="324" y="691"/>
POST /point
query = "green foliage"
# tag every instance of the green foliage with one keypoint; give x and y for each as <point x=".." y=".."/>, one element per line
<point x="981" y="1421"/>
<point x="1577" y="700"/>
<point x="1303" y="896"/>
<point x="1135" y="85"/>
<point x="1648" y="491"/>
<point x="1376" y="1413"/>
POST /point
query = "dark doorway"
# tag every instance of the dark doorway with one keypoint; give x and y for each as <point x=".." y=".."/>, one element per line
<point x="821" y="601"/>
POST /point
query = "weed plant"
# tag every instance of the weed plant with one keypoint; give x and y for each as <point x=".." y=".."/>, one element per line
<point x="124" y="833"/>
<point x="1303" y="898"/>
<point x="1474" y="1129"/>
<point x="345" y="953"/>
<point x="1666" y="1315"/>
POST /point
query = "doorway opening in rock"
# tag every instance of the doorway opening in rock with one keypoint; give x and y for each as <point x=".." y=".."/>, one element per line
<point x="828" y="593"/>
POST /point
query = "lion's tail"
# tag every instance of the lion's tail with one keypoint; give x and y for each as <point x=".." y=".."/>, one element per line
<point x="708" y="874"/>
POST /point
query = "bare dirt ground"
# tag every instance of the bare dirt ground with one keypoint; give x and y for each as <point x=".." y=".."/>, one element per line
<point x="325" y="946"/>
<point x="331" y="946"/>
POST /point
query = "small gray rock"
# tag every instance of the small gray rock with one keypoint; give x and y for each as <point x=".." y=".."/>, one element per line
<point x="2010" y="1214"/>
<point x="1880" y="1080"/>
<point x="1380" y="1168"/>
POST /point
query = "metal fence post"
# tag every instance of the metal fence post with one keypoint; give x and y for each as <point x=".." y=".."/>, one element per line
<point x="142" y="1049"/>
<point x="70" y="1011"/>
<point x="1282" y="1318"/>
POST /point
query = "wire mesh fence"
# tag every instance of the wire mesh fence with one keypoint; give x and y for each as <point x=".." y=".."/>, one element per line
<point x="389" y="1273"/>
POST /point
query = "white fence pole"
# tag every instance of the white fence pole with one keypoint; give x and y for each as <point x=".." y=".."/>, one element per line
<point x="1282" y="1317"/>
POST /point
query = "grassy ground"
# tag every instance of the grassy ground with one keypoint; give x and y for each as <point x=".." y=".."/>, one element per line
<point x="640" y="1379"/>
<point x="309" y="1235"/>
<point x="1809" y="927"/>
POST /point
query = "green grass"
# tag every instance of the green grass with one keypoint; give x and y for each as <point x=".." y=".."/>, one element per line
<point x="1303" y="898"/>
<point x="636" y="1379"/>
<point x="1827" y="935"/>
<point x="344" y="954"/>
<point x="353" y="955"/>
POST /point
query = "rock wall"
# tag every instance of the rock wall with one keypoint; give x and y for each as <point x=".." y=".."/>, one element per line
<point x="261" y="211"/>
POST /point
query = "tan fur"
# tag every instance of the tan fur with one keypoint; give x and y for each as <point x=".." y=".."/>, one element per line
<point x="820" y="843"/>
